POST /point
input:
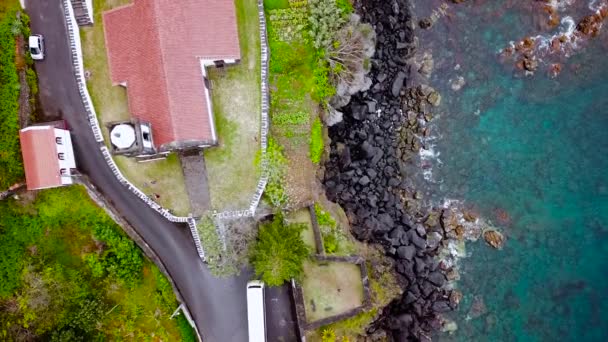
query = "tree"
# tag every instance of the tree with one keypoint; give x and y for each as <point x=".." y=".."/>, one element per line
<point x="349" y="54"/>
<point x="279" y="252"/>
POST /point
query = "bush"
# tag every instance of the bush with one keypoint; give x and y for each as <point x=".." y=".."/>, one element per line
<point x="345" y="6"/>
<point x="316" y="141"/>
<point x="279" y="252"/>
<point x="325" y="19"/>
<point x="214" y="249"/>
<point x="330" y="243"/>
<point x="324" y="218"/>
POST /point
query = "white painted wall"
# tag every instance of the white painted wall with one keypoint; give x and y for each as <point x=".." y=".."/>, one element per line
<point x="89" y="4"/>
<point x="204" y="64"/>
<point x="69" y="161"/>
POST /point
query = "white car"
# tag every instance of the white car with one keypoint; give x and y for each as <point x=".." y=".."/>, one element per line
<point x="36" y="44"/>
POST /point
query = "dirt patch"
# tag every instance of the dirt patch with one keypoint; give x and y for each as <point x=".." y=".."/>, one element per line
<point x="331" y="288"/>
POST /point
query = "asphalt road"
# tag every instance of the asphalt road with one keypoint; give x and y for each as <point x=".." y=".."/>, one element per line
<point x="218" y="306"/>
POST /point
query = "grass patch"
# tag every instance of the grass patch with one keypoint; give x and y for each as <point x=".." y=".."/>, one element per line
<point x="69" y="271"/>
<point x="330" y="289"/>
<point x="188" y="333"/>
<point x="275" y="4"/>
<point x="316" y="141"/>
<point x="162" y="177"/>
<point x="236" y="98"/>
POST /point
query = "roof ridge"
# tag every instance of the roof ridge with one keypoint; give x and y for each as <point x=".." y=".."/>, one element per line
<point x="164" y="66"/>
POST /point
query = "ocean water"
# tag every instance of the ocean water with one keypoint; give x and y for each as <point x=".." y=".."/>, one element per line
<point x="530" y="154"/>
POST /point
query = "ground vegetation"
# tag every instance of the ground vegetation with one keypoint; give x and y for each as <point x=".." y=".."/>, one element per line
<point x="69" y="273"/>
<point x="11" y="165"/>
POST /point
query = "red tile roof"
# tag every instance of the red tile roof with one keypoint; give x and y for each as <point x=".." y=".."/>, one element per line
<point x="40" y="157"/>
<point x="155" y="47"/>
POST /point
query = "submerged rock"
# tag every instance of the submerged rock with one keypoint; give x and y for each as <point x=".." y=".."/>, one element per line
<point x="478" y="308"/>
<point x="434" y="99"/>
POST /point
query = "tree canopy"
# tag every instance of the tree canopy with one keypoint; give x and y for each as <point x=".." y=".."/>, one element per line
<point x="279" y="252"/>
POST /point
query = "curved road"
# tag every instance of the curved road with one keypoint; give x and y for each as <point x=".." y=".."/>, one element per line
<point x="218" y="306"/>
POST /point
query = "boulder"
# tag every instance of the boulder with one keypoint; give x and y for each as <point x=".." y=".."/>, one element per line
<point x="406" y="252"/>
<point x="433" y="239"/>
<point x="387" y="220"/>
<point x="442" y="306"/>
<point x="364" y="180"/>
<point x="398" y="83"/>
<point x="494" y="238"/>
<point x="434" y="99"/>
<point x="455" y="298"/>
<point x="437" y="278"/>
<point x="359" y="112"/>
<point x="417" y="240"/>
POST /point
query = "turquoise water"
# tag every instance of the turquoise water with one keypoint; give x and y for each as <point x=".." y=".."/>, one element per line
<point x="535" y="148"/>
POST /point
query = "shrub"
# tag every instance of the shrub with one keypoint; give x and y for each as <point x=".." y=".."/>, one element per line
<point x="32" y="81"/>
<point x="279" y="252"/>
<point x="330" y="243"/>
<point x="276" y="168"/>
<point x="345" y="6"/>
<point x="324" y="218"/>
<point x="325" y="19"/>
<point x="328" y="335"/>
<point x="316" y="141"/>
<point x="214" y="248"/>
<point x="323" y="89"/>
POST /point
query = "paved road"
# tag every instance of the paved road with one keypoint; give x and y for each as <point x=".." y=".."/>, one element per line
<point x="218" y="306"/>
<point x="280" y="316"/>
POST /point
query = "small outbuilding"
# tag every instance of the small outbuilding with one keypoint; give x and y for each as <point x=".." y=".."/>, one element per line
<point x="48" y="156"/>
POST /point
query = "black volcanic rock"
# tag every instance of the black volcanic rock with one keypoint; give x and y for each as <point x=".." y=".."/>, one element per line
<point x="368" y="174"/>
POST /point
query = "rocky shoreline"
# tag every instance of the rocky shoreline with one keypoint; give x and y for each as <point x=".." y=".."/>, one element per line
<point x="368" y="175"/>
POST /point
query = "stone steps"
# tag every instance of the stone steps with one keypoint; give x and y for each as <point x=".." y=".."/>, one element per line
<point x="81" y="12"/>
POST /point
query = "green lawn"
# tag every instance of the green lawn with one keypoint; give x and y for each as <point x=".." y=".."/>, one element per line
<point x="162" y="177"/>
<point x="331" y="289"/>
<point x="236" y="97"/>
<point x="67" y="270"/>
